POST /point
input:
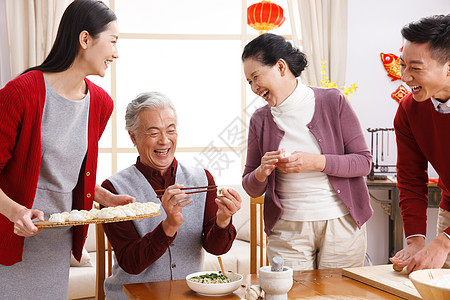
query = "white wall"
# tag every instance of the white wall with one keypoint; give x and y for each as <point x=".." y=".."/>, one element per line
<point x="374" y="27"/>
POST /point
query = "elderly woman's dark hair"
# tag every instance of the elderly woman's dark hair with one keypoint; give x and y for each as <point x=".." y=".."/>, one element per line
<point x="268" y="48"/>
<point x="90" y="15"/>
<point x="434" y="30"/>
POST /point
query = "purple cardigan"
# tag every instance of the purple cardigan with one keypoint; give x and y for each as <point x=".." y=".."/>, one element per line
<point x="339" y="135"/>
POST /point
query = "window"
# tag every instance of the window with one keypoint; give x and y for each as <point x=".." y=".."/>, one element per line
<point x="190" y="51"/>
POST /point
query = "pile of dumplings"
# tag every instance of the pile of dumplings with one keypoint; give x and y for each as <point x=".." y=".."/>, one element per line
<point x="128" y="210"/>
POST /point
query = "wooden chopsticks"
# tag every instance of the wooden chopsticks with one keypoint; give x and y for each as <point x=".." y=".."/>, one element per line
<point x="221" y="266"/>
<point x="208" y="188"/>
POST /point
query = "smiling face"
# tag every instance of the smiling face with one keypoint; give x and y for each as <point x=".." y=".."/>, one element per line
<point x="99" y="53"/>
<point x="423" y="74"/>
<point x="273" y="83"/>
<point x="156" y="138"/>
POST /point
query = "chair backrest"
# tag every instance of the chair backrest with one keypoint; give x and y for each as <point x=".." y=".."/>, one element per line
<point x="102" y="258"/>
<point x="257" y="234"/>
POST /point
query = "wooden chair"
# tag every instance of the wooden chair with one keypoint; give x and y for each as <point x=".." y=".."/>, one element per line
<point x="101" y="261"/>
<point x="255" y="232"/>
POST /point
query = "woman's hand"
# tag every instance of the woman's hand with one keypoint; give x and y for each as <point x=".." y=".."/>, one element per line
<point x="268" y="164"/>
<point x="298" y="162"/>
<point x="23" y="224"/>
<point x="20" y="215"/>
<point x="228" y="205"/>
<point x="173" y="201"/>
<point x="108" y="199"/>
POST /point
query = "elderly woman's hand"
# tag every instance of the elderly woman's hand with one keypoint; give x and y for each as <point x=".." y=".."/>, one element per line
<point x="173" y="201"/>
<point x="228" y="205"/>
<point x="268" y="164"/>
<point x="301" y="161"/>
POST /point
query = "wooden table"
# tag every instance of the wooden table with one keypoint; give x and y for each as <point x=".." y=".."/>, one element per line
<point x="390" y="206"/>
<point x="307" y="285"/>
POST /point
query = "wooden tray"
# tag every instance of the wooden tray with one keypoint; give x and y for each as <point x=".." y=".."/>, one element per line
<point x="45" y="224"/>
<point x="385" y="278"/>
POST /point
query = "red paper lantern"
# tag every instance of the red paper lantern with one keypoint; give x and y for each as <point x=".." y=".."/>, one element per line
<point x="265" y="16"/>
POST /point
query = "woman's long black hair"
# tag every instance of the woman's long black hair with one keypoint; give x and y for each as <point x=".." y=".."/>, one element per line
<point x="90" y="15"/>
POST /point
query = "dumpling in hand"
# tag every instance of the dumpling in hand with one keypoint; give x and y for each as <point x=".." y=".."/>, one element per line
<point x="220" y="190"/>
<point x="285" y="154"/>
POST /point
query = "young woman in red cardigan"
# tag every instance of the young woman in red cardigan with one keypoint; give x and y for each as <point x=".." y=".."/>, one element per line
<point x="51" y="120"/>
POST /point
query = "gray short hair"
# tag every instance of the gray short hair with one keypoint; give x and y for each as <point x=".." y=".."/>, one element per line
<point x="149" y="100"/>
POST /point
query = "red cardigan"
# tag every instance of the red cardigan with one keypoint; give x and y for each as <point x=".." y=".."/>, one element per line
<point x="21" y="105"/>
<point x="421" y="138"/>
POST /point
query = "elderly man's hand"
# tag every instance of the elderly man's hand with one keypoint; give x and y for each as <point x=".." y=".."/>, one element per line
<point x="228" y="205"/>
<point x="173" y="201"/>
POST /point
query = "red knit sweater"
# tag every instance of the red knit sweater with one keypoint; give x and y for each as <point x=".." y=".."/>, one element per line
<point x="421" y="134"/>
<point x="21" y="105"/>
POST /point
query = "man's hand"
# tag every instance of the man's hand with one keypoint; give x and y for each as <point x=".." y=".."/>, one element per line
<point x="228" y="205"/>
<point x="417" y="256"/>
<point x="173" y="201"/>
<point x="404" y="256"/>
<point x="432" y="256"/>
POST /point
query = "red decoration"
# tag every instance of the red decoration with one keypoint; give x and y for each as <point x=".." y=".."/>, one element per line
<point x="391" y="63"/>
<point x="400" y="93"/>
<point x="265" y="16"/>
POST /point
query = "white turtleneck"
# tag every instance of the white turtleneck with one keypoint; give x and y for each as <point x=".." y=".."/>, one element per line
<point x="305" y="196"/>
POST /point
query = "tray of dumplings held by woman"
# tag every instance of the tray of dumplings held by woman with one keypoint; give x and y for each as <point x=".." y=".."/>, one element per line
<point x="128" y="212"/>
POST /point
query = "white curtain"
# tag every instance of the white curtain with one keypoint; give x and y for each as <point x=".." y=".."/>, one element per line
<point x="32" y="26"/>
<point x="321" y="28"/>
<point x="5" y="70"/>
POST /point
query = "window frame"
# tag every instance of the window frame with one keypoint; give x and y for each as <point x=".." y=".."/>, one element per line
<point x="243" y="37"/>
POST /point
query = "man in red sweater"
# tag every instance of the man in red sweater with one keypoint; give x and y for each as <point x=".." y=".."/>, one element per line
<point x="421" y="125"/>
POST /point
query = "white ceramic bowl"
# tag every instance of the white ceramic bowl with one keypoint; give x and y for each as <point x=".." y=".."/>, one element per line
<point x="215" y="289"/>
<point x="422" y="280"/>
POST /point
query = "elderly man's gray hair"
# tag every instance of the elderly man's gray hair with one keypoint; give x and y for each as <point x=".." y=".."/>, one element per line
<point x="150" y="100"/>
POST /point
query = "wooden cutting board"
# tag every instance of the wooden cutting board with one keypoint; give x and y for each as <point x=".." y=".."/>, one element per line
<point x="384" y="278"/>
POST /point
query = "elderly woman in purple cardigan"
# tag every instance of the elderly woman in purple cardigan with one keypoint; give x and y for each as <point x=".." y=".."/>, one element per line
<point x="307" y="154"/>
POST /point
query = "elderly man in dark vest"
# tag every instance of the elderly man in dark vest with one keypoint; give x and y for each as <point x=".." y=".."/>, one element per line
<point x="168" y="246"/>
